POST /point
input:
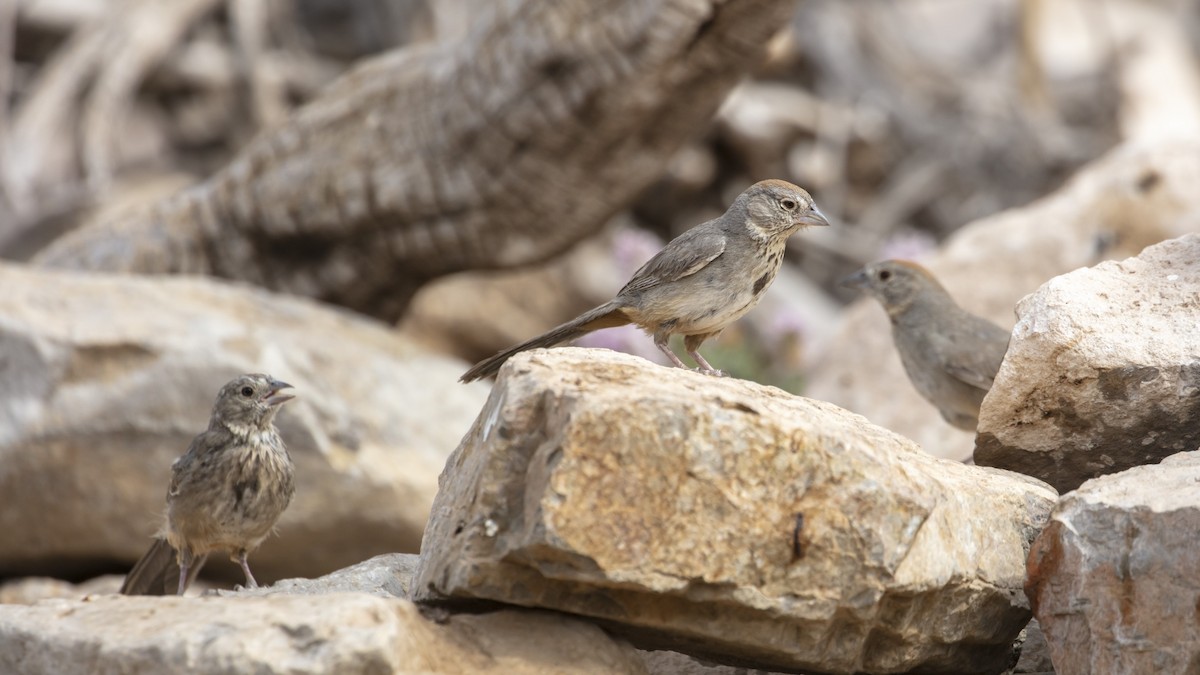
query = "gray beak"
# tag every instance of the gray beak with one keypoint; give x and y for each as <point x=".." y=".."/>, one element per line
<point x="859" y="280"/>
<point x="275" y="396"/>
<point x="814" y="218"/>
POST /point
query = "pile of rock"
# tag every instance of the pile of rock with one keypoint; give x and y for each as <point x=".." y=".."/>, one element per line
<point x="1100" y="384"/>
<point x="600" y="517"/>
<point x="715" y="517"/>
<point x="601" y="514"/>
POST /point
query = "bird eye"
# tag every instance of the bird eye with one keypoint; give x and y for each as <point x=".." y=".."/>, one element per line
<point x="884" y="275"/>
<point x="247" y="391"/>
<point x="788" y="204"/>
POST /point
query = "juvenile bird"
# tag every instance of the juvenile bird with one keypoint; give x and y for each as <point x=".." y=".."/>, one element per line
<point x="951" y="356"/>
<point x="227" y="491"/>
<point x="700" y="282"/>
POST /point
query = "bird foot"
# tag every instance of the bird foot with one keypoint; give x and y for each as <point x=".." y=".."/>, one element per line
<point x="248" y="586"/>
<point x="711" y="371"/>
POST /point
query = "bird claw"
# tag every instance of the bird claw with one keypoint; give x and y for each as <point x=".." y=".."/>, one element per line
<point x="711" y="371"/>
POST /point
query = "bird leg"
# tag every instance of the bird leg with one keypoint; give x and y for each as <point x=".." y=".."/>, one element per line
<point x="660" y="341"/>
<point x="692" y="344"/>
<point x="241" y="560"/>
<point x="185" y="561"/>
<point x="704" y="366"/>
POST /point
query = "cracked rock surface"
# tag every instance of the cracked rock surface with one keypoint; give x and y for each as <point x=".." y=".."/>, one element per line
<point x="729" y="520"/>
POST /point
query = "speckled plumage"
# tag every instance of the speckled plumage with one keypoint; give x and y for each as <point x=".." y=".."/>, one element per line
<point x="227" y="491"/>
<point x="950" y="355"/>
<point x="700" y="282"/>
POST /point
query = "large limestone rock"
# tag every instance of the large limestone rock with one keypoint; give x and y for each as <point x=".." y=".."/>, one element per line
<point x="105" y="379"/>
<point x="729" y="520"/>
<point x="1131" y="198"/>
<point x="343" y="633"/>
<point x="1103" y="372"/>
<point x="1115" y="577"/>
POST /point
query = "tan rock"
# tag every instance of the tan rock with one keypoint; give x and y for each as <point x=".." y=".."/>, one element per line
<point x="343" y="633"/>
<point x="105" y="379"/>
<point x="28" y="590"/>
<point x="1131" y="198"/>
<point x="1113" y="578"/>
<point x="729" y="520"/>
<point x="1103" y="371"/>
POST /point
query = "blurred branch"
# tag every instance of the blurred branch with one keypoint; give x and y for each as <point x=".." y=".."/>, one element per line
<point x="80" y="101"/>
<point x="250" y="24"/>
<point x="8" y="34"/>
<point x="149" y="31"/>
<point x="45" y="117"/>
<point x="968" y="102"/>
<point x="913" y="184"/>
<point x="496" y="151"/>
<point x="61" y="15"/>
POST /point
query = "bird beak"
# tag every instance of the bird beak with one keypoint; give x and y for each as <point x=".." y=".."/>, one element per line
<point x="858" y="280"/>
<point x="814" y="218"/>
<point x="274" y="395"/>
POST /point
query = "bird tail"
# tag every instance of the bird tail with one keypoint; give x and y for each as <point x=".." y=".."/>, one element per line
<point x="157" y="573"/>
<point x="608" y="315"/>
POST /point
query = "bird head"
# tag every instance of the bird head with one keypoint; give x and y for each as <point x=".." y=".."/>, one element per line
<point x="896" y="284"/>
<point x="777" y="208"/>
<point x="249" y="402"/>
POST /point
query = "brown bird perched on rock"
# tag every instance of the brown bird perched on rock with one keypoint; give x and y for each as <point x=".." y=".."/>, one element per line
<point x="951" y="356"/>
<point x="700" y="282"/>
<point x="227" y="491"/>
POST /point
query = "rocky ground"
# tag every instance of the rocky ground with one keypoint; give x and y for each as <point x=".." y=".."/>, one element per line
<point x="595" y="511"/>
<point x="603" y="514"/>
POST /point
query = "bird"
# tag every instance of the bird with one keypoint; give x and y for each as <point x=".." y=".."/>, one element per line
<point x="700" y="282"/>
<point x="226" y="492"/>
<point x="951" y="356"/>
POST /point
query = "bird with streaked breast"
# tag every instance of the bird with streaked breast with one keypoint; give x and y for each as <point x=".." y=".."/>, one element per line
<point x="227" y="491"/>
<point x="700" y="282"/>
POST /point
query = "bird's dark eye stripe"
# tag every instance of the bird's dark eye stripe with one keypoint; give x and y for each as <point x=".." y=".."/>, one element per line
<point x="247" y="391"/>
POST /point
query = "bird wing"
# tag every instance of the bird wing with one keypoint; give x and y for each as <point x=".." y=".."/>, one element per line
<point x="177" y="473"/>
<point x="977" y="365"/>
<point x="685" y="255"/>
<point x="182" y="465"/>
